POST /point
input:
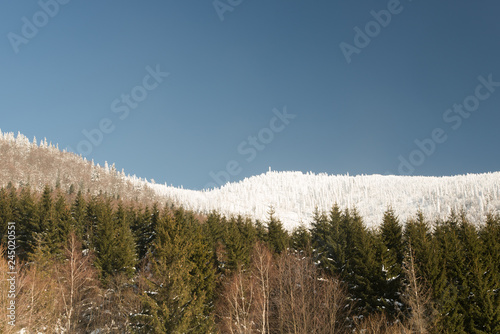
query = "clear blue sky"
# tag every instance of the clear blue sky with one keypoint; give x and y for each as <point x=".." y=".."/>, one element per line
<point x="226" y="77"/>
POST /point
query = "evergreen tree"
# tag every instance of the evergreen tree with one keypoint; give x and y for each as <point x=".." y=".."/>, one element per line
<point x="104" y="237"/>
<point x="5" y="215"/>
<point x="174" y="302"/>
<point x="490" y="237"/>
<point x="478" y="297"/>
<point x="337" y="239"/>
<point x="215" y="228"/>
<point x="362" y="271"/>
<point x="91" y="226"/>
<point x="114" y="243"/>
<point x="451" y="313"/>
<point x="277" y="236"/>
<point x="28" y="224"/>
<point x="78" y="215"/>
<point x="237" y="254"/>
<point x="300" y="240"/>
<point x="321" y="241"/>
<point x="58" y="231"/>
<point x="392" y="255"/>
<point x="144" y="229"/>
<point x="125" y="255"/>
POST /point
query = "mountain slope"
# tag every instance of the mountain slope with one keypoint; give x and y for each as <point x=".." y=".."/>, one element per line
<point x="294" y="195"/>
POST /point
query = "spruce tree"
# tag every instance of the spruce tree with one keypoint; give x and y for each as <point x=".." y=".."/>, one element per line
<point x="125" y="249"/>
<point x="104" y="237"/>
<point x="320" y="239"/>
<point x="490" y="238"/>
<point x="237" y="254"/>
<point x="362" y="271"/>
<point x="451" y="313"/>
<point x="300" y="240"/>
<point x="174" y="302"/>
<point x="277" y="236"/>
<point x="336" y="239"/>
<point x="478" y="297"/>
<point x="391" y="233"/>
<point x="27" y="222"/>
<point x="5" y="215"/>
<point x="58" y="231"/>
<point x="78" y="215"/>
<point x="214" y="228"/>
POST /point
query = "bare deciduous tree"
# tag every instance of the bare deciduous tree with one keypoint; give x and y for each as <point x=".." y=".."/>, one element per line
<point x="306" y="302"/>
<point x="77" y="285"/>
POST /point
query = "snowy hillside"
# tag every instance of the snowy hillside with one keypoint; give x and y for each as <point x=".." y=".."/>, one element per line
<point x="295" y="195"/>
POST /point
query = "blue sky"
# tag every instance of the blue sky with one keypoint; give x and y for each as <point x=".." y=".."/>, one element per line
<point x="353" y="106"/>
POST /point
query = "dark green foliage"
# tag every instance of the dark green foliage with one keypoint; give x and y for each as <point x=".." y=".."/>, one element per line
<point x="144" y="229"/>
<point x="451" y="313"/>
<point x="57" y="233"/>
<point x="328" y="235"/>
<point x="363" y="272"/>
<point x="300" y="240"/>
<point x="391" y="256"/>
<point x="114" y="244"/>
<point x="79" y="215"/>
<point x="322" y="241"/>
<point x="277" y="237"/>
<point x="214" y="227"/>
<point x="185" y="261"/>
<point x="178" y="300"/>
<point x="237" y="252"/>
<point x="490" y="281"/>
<point x="5" y="214"/>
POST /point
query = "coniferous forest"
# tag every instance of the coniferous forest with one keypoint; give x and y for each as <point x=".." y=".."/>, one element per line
<point x="100" y="264"/>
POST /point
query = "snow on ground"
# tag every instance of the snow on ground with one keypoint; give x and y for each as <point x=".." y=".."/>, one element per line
<point x="295" y="195"/>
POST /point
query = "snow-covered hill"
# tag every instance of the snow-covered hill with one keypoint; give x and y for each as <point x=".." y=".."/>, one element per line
<point x="295" y="195"/>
